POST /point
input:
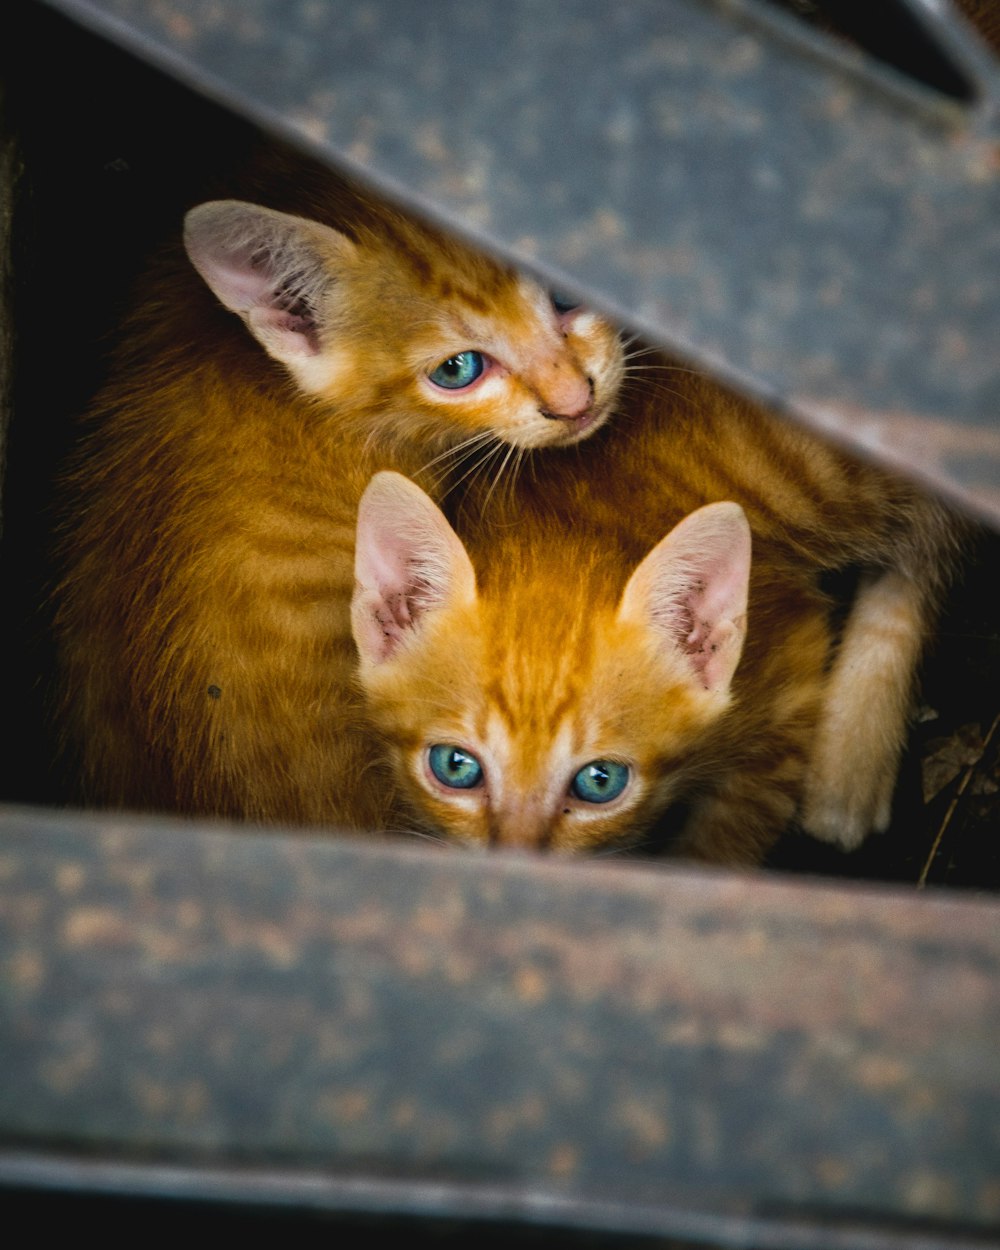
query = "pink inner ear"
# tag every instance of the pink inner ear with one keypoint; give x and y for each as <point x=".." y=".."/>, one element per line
<point x="692" y="588"/>
<point x="267" y="266"/>
<point x="408" y="561"/>
<point x="285" y="334"/>
<point x="718" y="594"/>
<point x="235" y="280"/>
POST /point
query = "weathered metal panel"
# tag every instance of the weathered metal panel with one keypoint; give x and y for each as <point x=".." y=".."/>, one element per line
<point x="797" y="218"/>
<point x="343" y="1022"/>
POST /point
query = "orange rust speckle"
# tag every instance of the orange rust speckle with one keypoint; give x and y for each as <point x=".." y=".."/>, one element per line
<point x="500" y="1123"/>
<point x="26" y="970"/>
<point x="687" y="1031"/>
<point x="504" y="1120"/>
<point x="180" y="27"/>
<point x="878" y="1072"/>
<point x="532" y="1110"/>
<point x="989" y="1199"/>
<point x="163" y="947"/>
<point x="928" y="1191"/>
<point x="982" y="162"/>
<point x="439" y="921"/>
<point x="404" y="1114"/>
<point x="312" y="127"/>
<point x="741" y="1037"/>
<point x="608" y="225"/>
<point x="70" y="878"/>
<point x="430" y="143"/>
<point x="159" y="1040"/>
<point x="833" y="1172"/>
<point x="350" y="1105"/>
<point x="530" y="985"/>
<point x="88" y="926"/>
<point x="415" y="961"/>
<point x="194" y="1100"/>
<point x="838" y="105"/>
<point x="564" y="1160"/>
<point x="152" y="1097"/>
<point x="742" y="56"/>
<point x="956" y="347"/>
<point x="189" y="914"/>
<point x="919" y="1100"/>
<point x="648" y="1128"/>
<point x="460" y="969"/>
<point x="64" y="1075"/>
<point x="276" y="944"/>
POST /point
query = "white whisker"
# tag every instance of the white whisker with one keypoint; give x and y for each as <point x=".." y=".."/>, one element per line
<point x="480" y="465"/>
<point x="460" y="451"/>
<point x="498" y="475"/>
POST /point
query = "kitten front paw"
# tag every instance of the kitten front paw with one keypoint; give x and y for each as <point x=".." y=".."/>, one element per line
<point x="844" y="809"/>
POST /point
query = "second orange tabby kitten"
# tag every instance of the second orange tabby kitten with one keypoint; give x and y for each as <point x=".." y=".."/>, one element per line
<point x="568" y="672"/>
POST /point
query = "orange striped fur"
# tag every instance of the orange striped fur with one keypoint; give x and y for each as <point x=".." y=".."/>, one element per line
<point x="526" y="662"/>
<point x="206" y="660"/>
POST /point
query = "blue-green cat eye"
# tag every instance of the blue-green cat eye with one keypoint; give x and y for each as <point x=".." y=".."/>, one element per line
<point x="563" y="303"/>
<point x="453" y="767"/>
<point x="458" y="371"/>
<point x="600" y="781"/>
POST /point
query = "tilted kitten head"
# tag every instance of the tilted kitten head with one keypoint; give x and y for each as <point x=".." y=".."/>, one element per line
<point x="416" y="331"/>
<point x="543" y="706"/>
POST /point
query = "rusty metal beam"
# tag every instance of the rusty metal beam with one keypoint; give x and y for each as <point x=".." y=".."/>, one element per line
<point x="806" y="222"/>
<point x="352" y="1025"/>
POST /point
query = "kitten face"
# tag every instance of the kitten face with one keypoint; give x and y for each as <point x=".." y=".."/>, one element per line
<point x="543" y="710"/>
<point x="574" y="753"/>
<point x="409" y="328"/>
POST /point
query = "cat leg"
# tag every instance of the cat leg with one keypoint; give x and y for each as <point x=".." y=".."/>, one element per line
<point x="865" y="715"/>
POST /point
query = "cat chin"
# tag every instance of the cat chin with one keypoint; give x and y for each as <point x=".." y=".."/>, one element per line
<point x="576" y="430"/>
<point x="559" y="431"/>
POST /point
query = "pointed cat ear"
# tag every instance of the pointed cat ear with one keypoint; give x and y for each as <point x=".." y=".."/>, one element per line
<point x="692" y="588"/>
<point x="274" y="269"/>
<point x="407" y="561"/>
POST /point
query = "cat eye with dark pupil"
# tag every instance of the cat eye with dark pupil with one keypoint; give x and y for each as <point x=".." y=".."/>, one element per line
<point x="455" y="768"/>
<point x="600" y="781"/>
<point x="563" y="303"/>
<point x="458" y="371"/>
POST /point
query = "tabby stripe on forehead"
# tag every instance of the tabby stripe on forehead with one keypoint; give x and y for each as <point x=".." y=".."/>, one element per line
<point x="488" y="277"/>
<point x="497" y="700"/>
<point x="400" y="241"/>
<point x="557" y="714"/>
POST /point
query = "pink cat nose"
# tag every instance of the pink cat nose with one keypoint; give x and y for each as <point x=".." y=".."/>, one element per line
<point x="573" y="403"/>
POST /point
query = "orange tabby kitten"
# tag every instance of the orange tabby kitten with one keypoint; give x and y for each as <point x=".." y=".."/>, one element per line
<point x="591" y="658"/>
<point x="203" y="615"/>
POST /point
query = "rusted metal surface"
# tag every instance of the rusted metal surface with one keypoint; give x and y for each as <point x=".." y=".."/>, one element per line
<point x="777" y="206"/>
<point x="605" y="1045"/>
